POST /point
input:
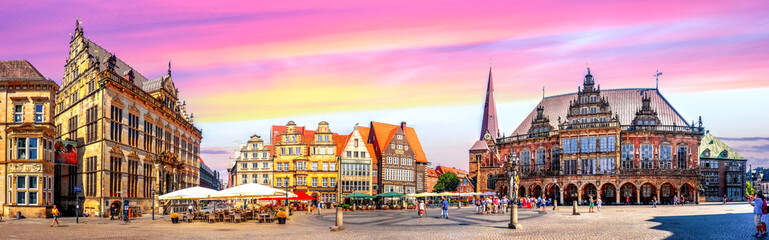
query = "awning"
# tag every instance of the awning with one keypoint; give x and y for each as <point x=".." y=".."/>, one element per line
<point x="358" y="195"/>
<point x="300" y="196"/>
<point x="251" y="190"/>
<point x="390" y="194"/>
<point x="190" y="193"/>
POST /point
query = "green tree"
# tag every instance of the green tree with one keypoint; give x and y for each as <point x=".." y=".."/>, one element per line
<point x="447" y="182"/>
<point x="749" y="189"/>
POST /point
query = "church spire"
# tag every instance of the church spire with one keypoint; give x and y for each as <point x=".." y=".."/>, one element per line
<point x="489" y="121"/>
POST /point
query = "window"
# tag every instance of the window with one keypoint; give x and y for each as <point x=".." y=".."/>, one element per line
<point x="566" y="145"/>
<point x="18" y="113"/>
<point x="325" y="138"/>
<point x="285" y="166"/>
<point x="607" y="143"/>
<point x="627" y="156"/>
<point x="26" y="148"/>
<point x="315" y="166"/>
<point x="148" y="180"/>
<point x="266" y="165"/>
<point x="574" y="145"/>
<point x="682" y="157"/>
<point x="325" y="182"/>
<point x="39" y="113"/>
<point x="555" y="160"/>
<point x="244" y="166"/>
<point x="583" y="111"/>
<point x="332" y="167"/>
<point x="325" y="166"/>
<point x="356" y="154"/>
<point x="282" y="151"/>
<point x="148" y="127"/>
<point x="665" y="156"/>
<point x="115" y="176"/>
<point x="588" y="166"/>
<point x="133" y="130"/>
<point x="133" y="178"/>
<point x="525" y="161"/>
<point x="243" y="178"/>
<point x="349" y="154"/>
<point x="607" y="166"/>
<point x="279" y="182"/>
<point x="314" y="182"/>
<point x="540" y="159"/>
<point x="646" y="156"/>
<point x="116" y="129"/>
<point x="279" y="166"/>
<point x="400" y="147"/>
<point x="356" y="143"/>
<point x="570" y="167"/>
<point x="255" y="178"/>
<point x="593" y="110"/>
<point x="585" y="144"/>
<point x="265" y="179"/>
<point x="254" y="165"/>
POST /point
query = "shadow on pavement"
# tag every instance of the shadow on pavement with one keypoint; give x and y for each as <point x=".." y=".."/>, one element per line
<point x="716" y="226"/>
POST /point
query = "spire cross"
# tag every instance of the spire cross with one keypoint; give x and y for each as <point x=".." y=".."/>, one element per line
<point x="657" y="78"/>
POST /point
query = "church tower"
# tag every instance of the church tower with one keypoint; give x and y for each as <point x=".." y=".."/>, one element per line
<point x="489" y="122"/>
<point x="483" y="161"/>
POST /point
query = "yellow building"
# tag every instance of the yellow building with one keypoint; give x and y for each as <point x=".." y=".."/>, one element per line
<point x="355" y="155"/>
<point x="306" y="160"/>
<point x="133" y="136"/>
<point x="27" y="135"/>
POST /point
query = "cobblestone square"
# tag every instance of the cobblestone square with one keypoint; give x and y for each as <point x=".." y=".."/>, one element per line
<point x="704" y="221"/>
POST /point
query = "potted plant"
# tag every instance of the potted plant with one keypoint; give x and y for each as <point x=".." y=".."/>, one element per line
<point x="281" y="217"/>
<point x="174" y="217"/>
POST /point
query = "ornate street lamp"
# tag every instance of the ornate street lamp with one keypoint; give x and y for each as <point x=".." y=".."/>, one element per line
<point x="512" y="172"/>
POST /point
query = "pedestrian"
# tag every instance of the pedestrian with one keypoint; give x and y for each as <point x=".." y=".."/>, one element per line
<point x="189" y="208"/>
<point x="683" y="200"/>
<point x="627" y="200"/>
<point x="504" y="204"/>
<point x="496" y="205"/>
<point x="758" y="213"/>
<point x="477" y="206"/>
<point x="599" y="202"/>
<point x="592" y="204"/>
<point x="675" y="200"/>
<point x="654" y="202"/>
<point x="421" y="209"/>
<point x="445" y="208"/>
<point x="724" y="198"/>
<point x="55" y="213"/>
<point x="318" y="207"/>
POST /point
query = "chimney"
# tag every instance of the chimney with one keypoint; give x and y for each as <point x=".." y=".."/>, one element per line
<point x="403" y="125"/>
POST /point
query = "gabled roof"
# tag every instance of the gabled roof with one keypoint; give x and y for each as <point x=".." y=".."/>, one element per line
<point x="102" y="54"/>
<point x="155" y="84"/>
<point x="19" y="70"/>
<point x="364" y="134"/>
<point x="272" y="149"/>
<point x="341" y="141"/>
<point x="480" y="145"/>
<point x="431" y="173"/>
<point x="444" y="169"/>
<point x="384" y="133"/>
<point x="623" y="102"/>
<point x="717" y="148"/>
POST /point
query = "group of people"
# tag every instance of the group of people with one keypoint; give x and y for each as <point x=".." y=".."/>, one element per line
<point x="597" y="203"/>
<point x="759" y="212"/>
<point x="535" y="203"/>
<point x="491" y="205"/>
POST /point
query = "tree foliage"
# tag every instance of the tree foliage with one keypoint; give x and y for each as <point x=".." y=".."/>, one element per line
<point x="749" y="189"/>
<point x="447" y="182"/>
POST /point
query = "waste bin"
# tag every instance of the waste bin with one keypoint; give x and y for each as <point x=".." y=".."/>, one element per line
<point x="18" y="214"/>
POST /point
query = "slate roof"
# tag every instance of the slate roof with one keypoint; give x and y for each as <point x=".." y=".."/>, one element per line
<point x="623" y="102"/>
<point x="120" y="67"/>
<point x="19" y="70"/>
<point x="716" y="147"/>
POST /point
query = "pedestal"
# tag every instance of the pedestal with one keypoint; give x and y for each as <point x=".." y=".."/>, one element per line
<point x="514" y="219"/>
<point x="574" y="210"/>
<point x="339" y="220"/>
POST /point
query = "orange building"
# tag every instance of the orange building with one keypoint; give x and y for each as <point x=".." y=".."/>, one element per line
<point x="431" y="180"/>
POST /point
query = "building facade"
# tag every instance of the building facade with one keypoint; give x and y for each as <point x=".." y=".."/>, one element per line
<point x="133" y="137"/>
<point x="465" y="185"/>
<point x="254" y="163"/>
<point x="306" y="160"/>
<point x="355" y="171"/>
<point x="431" y="180"/>
<point x="723" y="170"/>
<point x="27" y="135"/>
<point x="399" y="160"/>
<point x="208" y="177"/>
<point x="623" y="145"/>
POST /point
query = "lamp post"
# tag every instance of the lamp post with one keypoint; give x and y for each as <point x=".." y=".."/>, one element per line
<point x="512" y="171"/>
<point x="153" y="204"/>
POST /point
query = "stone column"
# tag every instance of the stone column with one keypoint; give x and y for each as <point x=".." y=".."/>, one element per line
<point x="658" y="195"/>
<point x="339" y="220"/>
<point x="616" y="196"/>
<point x="579" y="195"/>
<point x="560" y="193"/>
<point x="638" y="196"/>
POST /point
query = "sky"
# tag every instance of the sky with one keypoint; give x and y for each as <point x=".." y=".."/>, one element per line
<point x="243" y="66"/>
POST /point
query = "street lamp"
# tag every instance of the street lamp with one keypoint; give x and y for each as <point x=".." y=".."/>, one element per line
<point x="512" y="172"/>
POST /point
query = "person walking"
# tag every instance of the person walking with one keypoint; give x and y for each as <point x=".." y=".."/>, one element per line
<point x="675" y="200"/>
<point x="55" y="213"/>
<point x="599" y="202"/>
<point x="654" y="202"/>
<point x="724" y="198"/>
<point x="627" y="200"/>
<point x="444" y="208"/>
<point x="421" y="209"/>
<point x="758" y="213"/>
<point x="189" y="208"/>
<point x="318" y="207"/>
<point x="477" y="205"/>
<point x="592" y="204"/>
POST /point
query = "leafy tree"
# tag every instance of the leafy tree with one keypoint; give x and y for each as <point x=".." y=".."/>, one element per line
<point x="749" y="189"/>
<point x="447" y="182"/>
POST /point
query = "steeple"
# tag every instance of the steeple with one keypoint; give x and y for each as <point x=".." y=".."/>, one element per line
<point x="489" y="121"/>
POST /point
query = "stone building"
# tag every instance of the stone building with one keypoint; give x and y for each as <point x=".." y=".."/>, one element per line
<point x="431" y="179"/>
<point x="355" y="155"/>
<point x="723" y="170"/>
<point x="618" y="144"/>
<point x="27" y="137"/>
<point x="208" y="177"/>
<point x="254" y="163"/>
<point x="133" y="136"/>
<point x="306" y="160"/>
<point x="484" y="159"/>
<point x="399" y="161"/>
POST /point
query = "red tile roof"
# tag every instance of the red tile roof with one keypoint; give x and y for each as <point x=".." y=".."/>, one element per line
<point x="340" y="141"/>
<point x="19" y="70"/>
<point x="431" y="173"/>
<point x="443" y="169"/>
<point x="384" y="132"/>
<point x="623" y="102"/>
<point x="364" y="133"/>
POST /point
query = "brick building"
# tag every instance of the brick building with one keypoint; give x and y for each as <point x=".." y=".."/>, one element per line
<point x="723" y="170"/>
<point x="617" y="144"/>
<point x="399" y="163"/>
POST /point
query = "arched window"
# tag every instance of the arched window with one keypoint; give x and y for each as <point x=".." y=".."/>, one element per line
<point x="682" y="156"/>
<point x="491" y="182"/>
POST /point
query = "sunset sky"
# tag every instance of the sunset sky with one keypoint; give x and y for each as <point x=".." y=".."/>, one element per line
<point x="243" y="66"/>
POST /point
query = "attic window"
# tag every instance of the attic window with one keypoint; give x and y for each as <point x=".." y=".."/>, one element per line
<point x="724" y="154"/>
<point x="706" y="153"/>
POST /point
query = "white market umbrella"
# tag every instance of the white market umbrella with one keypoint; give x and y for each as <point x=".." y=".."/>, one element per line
<point x="251" y="190"/>
<point x="190" y="193"/>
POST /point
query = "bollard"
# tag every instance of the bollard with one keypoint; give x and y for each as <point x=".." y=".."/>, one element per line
<point x="555" y="205"/>
<point x="574" y="211"/>
<point x="339" y="221"/>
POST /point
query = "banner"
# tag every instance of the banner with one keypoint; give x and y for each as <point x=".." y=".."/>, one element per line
<point x="66" y="153"/>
